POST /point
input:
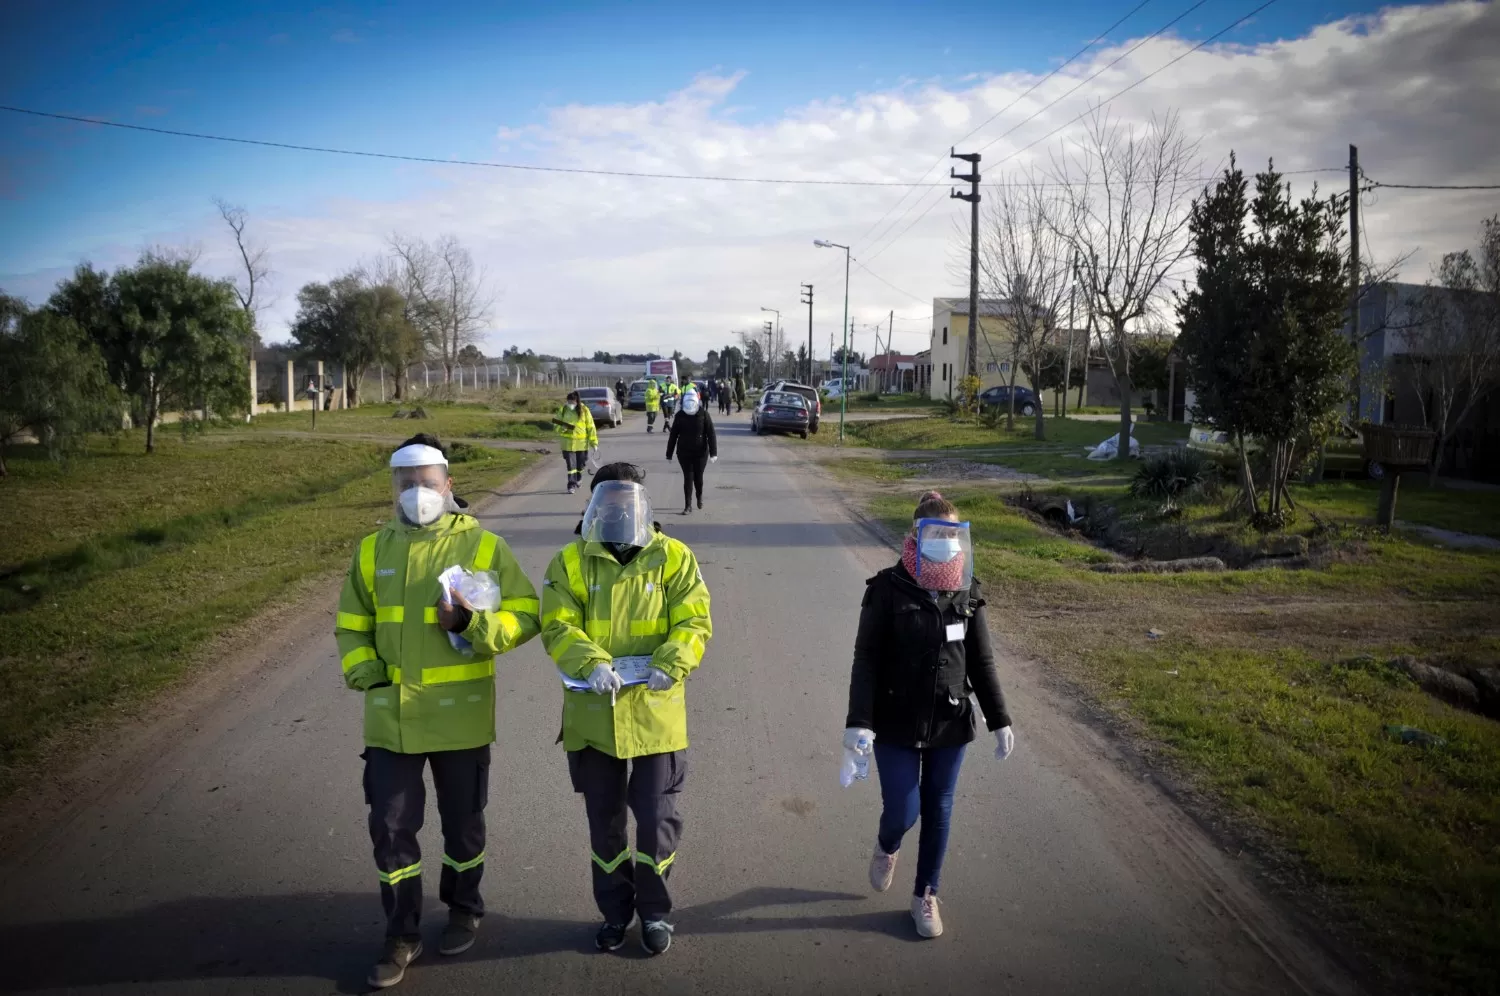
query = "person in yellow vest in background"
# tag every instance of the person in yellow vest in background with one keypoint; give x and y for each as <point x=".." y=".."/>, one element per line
<point x="625" y="615"/>
<point x="671" y="397"/>
<point x="575" y="424"/>
<point x="653" y="404"/>
<point x="429" y="698"/>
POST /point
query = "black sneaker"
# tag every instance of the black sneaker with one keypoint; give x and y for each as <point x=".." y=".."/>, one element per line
<point x="391" y="968"/>
<point x="656" y="936"/>
<point x="458" y="936"/>
<point x="687" y="510"/>
<point x="611" y="936"/>
<point x="700" y="503"/>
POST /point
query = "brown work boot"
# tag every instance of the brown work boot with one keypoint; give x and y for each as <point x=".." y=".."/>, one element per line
<point x="458" y="936"/>
<point x="391" y="968"/>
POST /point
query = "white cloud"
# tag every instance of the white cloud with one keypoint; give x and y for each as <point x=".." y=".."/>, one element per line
<point x="597" y="262"/>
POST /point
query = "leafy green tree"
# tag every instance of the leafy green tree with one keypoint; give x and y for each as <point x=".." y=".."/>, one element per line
<point x="356" y="324"/>
<point x="171" y="339"/>
<point x="1151" y="367"/>
<point x="1263" y="330"/>
<point x="53" y="385"/>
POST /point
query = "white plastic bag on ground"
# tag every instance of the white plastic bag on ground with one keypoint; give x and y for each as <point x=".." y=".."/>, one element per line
<point x="1108" y="449"/>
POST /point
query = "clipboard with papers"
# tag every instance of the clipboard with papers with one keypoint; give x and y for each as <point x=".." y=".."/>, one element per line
<point x="632" y="671"/>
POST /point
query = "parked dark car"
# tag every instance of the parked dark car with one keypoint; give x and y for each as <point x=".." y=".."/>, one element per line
<point x="998" y="398"/>
<point x="602" y="405"/>
<point x="636" y="396"/>
<point x="814" y="401"/>
<point x="780" y="411"/>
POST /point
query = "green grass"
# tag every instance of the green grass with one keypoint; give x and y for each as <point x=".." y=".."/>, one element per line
<point x="944" y="433"/>
<point x="1260" y="692"/>
<point x="885" y="403"/>
<point x="1457" y="509"/>
<point x="132" y="564"/>
<point x="466" y="420"/>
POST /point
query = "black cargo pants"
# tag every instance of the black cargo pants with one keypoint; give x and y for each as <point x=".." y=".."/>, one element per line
<point x="397" y="799"/>
<point x="650" y="786"/>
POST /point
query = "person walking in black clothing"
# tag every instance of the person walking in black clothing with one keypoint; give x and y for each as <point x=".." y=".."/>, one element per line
<point x="723" y="395"/>
<point x="620" y="392"/>
<point x="922" y="650"/>
<point x="693" y="438"/>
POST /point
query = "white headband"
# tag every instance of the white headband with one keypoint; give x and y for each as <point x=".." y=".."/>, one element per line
<point x="418" y="455"/>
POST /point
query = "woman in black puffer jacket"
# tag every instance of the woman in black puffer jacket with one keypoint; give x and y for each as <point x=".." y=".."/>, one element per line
<point x="694" y="440"/>
<point x="923" y="648"/>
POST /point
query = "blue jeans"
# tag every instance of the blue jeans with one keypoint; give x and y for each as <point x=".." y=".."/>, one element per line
<point x="918" y="782"/>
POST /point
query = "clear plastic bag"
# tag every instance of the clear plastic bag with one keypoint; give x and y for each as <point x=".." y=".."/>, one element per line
<point x="481" y="589"/>
<point x="856" y="767"/>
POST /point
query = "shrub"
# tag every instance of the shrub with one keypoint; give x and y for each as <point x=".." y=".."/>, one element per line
<point x="1173" y="474"/>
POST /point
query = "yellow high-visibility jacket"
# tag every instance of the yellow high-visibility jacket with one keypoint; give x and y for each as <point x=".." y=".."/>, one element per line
<point x="579" y="433"/>
<point x="438" y="698"/>
<point x="653" y="398"/>
<point x="595" y="609"/>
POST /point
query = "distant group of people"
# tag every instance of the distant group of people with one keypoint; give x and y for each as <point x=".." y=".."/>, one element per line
<point x="725" y="392"/>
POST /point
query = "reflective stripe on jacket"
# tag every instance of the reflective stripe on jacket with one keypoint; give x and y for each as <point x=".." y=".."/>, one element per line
<point x="595" y="609"/>
<point x="579" y="433"/>
<point x="387" y="630"/>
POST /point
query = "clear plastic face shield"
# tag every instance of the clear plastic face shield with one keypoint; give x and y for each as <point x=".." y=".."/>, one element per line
<point x="619" y="512"/>
<point x="420" y="485"/>
<point x="945" y="555"/>
<point x="690" y="403"/>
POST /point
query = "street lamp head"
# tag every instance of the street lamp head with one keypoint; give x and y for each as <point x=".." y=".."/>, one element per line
<point x="822" y="245"/>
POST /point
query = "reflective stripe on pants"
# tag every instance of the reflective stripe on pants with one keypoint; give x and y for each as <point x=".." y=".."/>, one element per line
<point x="396" y="795"/>
<point x="627" y="883"/>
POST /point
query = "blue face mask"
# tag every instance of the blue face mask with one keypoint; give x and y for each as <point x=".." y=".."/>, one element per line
<point x="940" y="549"/>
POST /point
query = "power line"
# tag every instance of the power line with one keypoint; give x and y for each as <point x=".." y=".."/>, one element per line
<point x="1376" y="184"/>
<point x="1211" y="38"/>
<point x="938" y="162"/>
<point x="919" y="300"/>
<point x="1044" y="108"/>
<point x="458" y="162"/>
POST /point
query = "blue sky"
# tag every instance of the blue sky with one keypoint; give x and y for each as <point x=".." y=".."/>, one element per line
<point x="442" y="79"/>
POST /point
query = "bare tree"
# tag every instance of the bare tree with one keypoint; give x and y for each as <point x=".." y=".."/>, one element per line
<point x="408" y="344"/>
<point x="1454" y="342"/>
<point x="449" y="290"/>
<point x="1024" y="261"/>
<point x="255" y="261"/>
<point x="1127" y="192"/>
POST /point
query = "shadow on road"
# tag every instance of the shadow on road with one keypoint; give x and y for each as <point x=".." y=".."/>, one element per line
<point x="335" y="937"/>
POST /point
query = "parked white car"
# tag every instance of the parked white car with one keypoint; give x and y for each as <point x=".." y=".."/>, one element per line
<point x="835" y="387"/>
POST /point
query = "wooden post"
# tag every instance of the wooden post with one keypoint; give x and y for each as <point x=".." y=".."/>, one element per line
<point x="1385" y="516"/>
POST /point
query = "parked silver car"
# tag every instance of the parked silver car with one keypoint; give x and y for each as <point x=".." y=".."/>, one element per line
<point x="603" y="405"/>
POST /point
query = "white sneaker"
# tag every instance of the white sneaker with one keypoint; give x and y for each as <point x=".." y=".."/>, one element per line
<point x="924" y="911"/>
<point x="882" y="868"/>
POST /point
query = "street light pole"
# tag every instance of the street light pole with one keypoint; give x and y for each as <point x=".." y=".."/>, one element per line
<point x="769" y="357"/>
<point x="844" y="373"/>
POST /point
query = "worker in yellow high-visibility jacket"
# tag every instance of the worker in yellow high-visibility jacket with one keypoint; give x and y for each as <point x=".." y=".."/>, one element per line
<point x="429" y="699"/>
<point x="653" y="404"/>
<point x="575" y="424"/>
<point x="624" y="590"/>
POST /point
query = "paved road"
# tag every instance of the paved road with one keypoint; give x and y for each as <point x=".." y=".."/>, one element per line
<point x="236" y="859"/>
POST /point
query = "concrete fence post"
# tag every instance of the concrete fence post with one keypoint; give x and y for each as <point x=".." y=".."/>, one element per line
<point x="291" y="386"/>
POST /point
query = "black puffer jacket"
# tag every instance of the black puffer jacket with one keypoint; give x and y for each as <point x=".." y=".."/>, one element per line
<point x="910" y="685"/>
<point x="692" y="435"/>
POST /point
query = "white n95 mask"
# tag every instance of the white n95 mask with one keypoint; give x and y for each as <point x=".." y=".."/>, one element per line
<point x="423" y="506"/>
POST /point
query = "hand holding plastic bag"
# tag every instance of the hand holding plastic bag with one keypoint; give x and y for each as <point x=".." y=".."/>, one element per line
<point x="659" y="681"/>
<point x="858" y="745"/>
<point x="481" y="589"/>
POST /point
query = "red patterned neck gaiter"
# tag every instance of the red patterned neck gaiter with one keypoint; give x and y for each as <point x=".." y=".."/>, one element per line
<point x="934" y="576"/>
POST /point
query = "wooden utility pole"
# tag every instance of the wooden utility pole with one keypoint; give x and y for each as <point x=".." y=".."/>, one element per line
<point x="1354" y="271"/>
<point x="972" y="178"/>
<point x="1068" y="359"/>
<point x="807" y="289"/>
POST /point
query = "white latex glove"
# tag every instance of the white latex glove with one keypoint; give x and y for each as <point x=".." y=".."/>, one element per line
<point x="713" y="459"/>
<point x="859" y="741"/>
<point x="1005" y="742"/>
<point x="658" y="681"/>
<point x="604" y="680"/>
